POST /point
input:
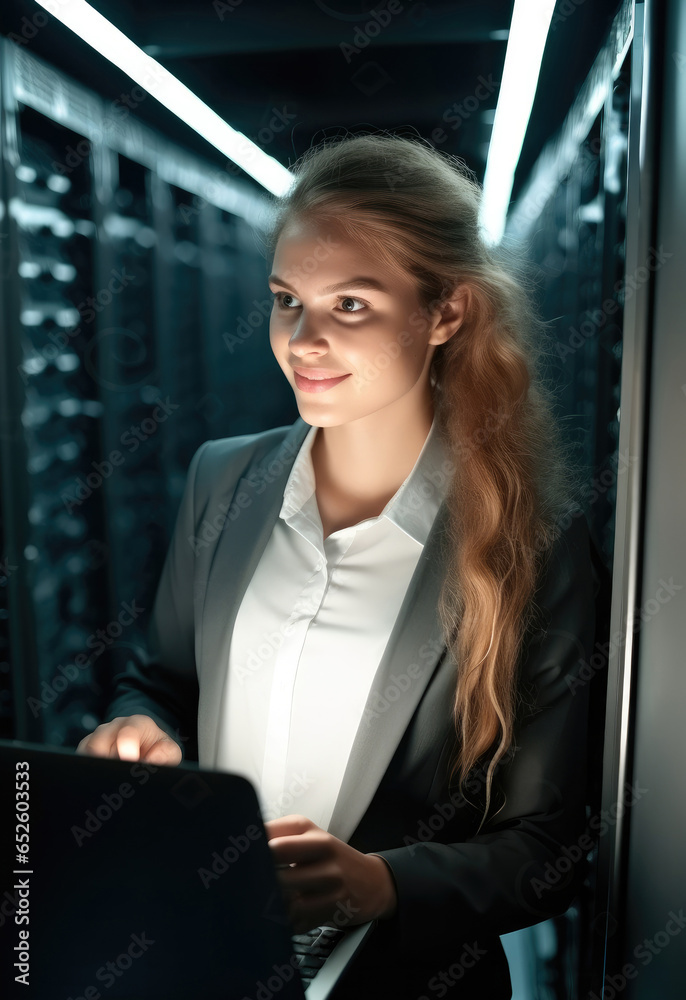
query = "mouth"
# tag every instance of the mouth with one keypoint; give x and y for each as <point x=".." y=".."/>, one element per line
<point x="317" y="384"/>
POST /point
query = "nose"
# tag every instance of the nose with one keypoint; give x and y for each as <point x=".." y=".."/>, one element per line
<point x="306" y="337"/>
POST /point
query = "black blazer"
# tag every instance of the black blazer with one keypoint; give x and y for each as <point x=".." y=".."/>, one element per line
<point x="457" y="891"/>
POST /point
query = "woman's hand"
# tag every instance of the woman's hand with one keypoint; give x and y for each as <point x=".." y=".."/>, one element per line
<point x="132" y="737"/>
<point x="328" y="877"/>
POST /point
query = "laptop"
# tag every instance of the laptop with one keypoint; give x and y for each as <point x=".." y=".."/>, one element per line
<point x="132" y="881"/>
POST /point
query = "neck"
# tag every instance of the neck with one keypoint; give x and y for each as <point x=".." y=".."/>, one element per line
<point x="367" y="460"/>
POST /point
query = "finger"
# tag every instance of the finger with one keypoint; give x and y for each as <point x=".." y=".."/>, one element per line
<point x="285" y="826"/>
<point x="99" y="744"/>
<point x="164" y="751"/>
<point x="310" y="880"/>
<point x="307" y="912"/>
<point x="302" y="849"/>
<point x="128" y="743"/>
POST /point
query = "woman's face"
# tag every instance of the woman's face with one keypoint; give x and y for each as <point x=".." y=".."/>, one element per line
<point x="327" y="320"/>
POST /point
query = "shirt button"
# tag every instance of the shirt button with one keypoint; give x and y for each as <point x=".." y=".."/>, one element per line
<point x="319" y="566"/>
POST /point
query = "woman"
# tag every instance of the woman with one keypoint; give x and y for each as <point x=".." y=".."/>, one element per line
<point x="418" y="509"/>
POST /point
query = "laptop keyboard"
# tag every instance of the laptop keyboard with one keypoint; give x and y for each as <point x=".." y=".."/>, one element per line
<point x="313" y="948"/>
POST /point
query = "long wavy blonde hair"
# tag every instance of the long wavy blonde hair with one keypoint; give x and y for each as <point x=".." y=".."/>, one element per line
<point x="416" y="209"/>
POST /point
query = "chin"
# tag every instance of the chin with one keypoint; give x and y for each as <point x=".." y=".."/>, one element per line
<point x="317" y="419"/>
<point x="310" y="416"/>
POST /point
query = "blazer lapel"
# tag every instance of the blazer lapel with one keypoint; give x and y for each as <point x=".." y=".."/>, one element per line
<point x="409" y="661"/>
<point x="235" y="557"/>
<point x="413" y="650"/>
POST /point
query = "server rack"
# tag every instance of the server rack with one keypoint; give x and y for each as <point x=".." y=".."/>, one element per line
<point x="644" y="859"/>
<point x="127" y="267"/>
<point x="570" y="221"/>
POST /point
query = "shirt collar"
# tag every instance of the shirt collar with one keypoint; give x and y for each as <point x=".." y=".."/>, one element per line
<point x="413" y="506"/>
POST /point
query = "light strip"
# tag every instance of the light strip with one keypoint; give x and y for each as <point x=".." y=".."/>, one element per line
<point x="113" y="44"/>
<point x="528" y="35"/>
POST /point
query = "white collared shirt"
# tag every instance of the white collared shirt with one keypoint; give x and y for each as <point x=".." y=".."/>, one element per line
<point x="310" y="633"/>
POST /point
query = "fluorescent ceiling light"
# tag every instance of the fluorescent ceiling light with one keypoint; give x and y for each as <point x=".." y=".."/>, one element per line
<point x="528" y="34"/>
<point x="113" y="44"/>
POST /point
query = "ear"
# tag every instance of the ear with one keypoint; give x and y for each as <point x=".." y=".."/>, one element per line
<point x="450" y="315"/>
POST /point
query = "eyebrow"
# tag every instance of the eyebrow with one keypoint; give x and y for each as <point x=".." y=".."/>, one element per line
<point x="339" y="286"/>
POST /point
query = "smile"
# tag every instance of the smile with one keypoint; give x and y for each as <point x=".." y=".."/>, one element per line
<point x="317" y="384"/>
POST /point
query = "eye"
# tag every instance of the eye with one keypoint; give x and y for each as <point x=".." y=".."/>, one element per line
<point x="281" y="297"/>
<point x="349" y="298"/>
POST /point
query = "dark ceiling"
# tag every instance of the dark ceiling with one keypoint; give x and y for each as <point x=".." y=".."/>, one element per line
<point x="431" y="69"/>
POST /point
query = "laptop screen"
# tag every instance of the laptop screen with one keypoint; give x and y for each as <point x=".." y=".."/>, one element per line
<point x="129" y="880"/>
